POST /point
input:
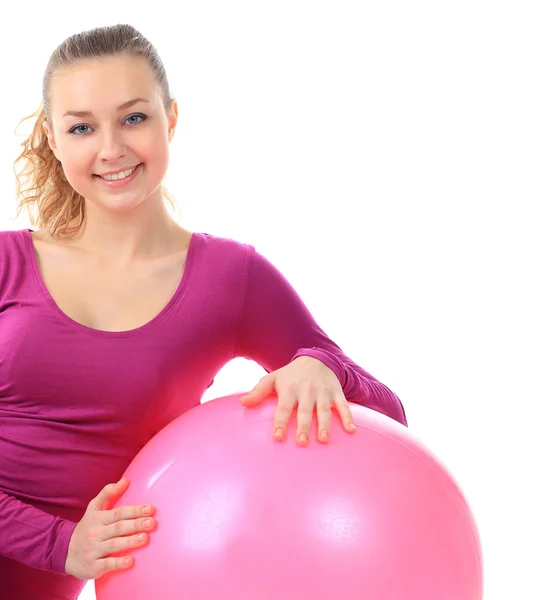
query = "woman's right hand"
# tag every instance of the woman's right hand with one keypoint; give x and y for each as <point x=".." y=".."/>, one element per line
<point x="102" y="532"/>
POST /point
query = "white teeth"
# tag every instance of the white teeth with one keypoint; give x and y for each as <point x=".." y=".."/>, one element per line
<point x="120" y="175"/>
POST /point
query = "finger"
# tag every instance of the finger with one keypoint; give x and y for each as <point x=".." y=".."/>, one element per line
<point x="345" y="413"/>
<point x="122" y="513"/>
<point x="127" y="527"/>
<point x="284" y="409"/>
<point x="121" y="544"/>
<point x="109" y="495"/>
<point x="306" y="405"/>
<point x="261" y="390"/>
<point x="323" y="412"/>
<point x="112" y="563"/>
<point x="251" y="399"/>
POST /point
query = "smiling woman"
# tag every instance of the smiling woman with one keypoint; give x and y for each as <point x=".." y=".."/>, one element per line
<point x="115" y="320"/>
<point x="64" y="158"/>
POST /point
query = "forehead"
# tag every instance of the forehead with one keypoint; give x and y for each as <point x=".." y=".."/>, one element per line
<point x="101" y="85"/>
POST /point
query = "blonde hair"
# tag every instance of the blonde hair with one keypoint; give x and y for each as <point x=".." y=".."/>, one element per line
<point x="50" y="195"/>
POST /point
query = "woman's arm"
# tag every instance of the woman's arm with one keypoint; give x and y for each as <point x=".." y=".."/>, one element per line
<point x="276" y="327"/>
<point x="32" y="536"/>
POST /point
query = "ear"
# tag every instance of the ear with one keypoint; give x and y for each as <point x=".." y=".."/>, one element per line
<point x="50" y="136"/>
<point x="172" y="120"/>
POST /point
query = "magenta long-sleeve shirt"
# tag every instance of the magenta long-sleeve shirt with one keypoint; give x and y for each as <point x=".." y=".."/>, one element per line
<point x="77" y="404"/>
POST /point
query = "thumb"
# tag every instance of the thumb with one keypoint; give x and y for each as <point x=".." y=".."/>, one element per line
<point x="110" y="494"/>
<point x="261" y="390"/>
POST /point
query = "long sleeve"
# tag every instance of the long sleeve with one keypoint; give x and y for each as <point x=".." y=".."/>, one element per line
<point x="276" y="327"/>
<point x="32" y="536"/>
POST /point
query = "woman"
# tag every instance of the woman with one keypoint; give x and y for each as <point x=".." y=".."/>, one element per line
<point x="114" y="320"/>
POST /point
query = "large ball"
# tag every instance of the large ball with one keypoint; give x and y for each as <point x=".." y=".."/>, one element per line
<point x="368" y="516"/>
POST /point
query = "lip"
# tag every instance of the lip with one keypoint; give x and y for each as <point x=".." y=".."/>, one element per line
<point x="119" y="183"/>
<point x="117" y="171"/>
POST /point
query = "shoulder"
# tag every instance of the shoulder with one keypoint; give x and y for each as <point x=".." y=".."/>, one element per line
<point x="220" y="243"/>
<point x="223" y="261"/>
<point x="224" y="250"/>
<point x="13" y="255"/>
<point x="11" y="241"/>
<point x="8" y="234"/>
<point x="238" y="259"/>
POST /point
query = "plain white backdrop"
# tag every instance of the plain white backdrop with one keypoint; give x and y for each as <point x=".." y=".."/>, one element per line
<point x="392" y="159"/>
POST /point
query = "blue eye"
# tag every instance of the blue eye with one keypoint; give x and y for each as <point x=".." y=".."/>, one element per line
<point x="136" y="115"/>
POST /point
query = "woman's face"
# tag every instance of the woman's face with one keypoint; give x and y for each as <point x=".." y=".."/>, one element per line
<point x="111" y="138"/>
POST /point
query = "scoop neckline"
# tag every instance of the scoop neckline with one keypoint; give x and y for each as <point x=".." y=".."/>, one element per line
<point x="180" y="290"/>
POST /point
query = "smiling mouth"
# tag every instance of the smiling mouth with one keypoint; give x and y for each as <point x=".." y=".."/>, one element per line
<point x="120" y="178"/>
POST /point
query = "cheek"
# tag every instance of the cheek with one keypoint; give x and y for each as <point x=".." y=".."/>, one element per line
<point x="75" y="172"/>
<point x="155" y="155"/>
<point x="77" y="162"/>
<point x="157" y="149"/>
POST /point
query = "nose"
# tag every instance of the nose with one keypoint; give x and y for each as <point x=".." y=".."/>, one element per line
<point x="111" y="146"/>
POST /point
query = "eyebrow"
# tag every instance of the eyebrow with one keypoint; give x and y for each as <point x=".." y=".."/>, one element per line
<point x="87" y="113"/>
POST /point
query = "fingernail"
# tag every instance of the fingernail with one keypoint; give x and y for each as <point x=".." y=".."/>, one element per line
<point x="303" y="438"/>
<point x="352" y="426"/>
<point x="146" y="510"/>
<point x="279" y="432"/>
<point x="324" y="435"/>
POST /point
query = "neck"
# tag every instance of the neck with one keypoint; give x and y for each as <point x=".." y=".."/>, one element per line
<point x="119" y="238"/>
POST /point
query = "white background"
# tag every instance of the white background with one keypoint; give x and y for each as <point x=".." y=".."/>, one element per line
<point x="404" y="144"/>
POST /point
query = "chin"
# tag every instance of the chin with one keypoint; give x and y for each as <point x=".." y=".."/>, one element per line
<point x="116" y="203"/>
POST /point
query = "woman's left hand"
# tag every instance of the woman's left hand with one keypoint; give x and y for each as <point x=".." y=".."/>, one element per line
<point x="312" y="385"/>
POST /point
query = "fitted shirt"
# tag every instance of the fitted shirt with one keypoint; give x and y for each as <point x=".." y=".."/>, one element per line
<point x="77" y="404"/>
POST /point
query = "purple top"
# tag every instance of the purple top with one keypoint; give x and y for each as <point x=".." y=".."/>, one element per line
<point x="77" y="404"/>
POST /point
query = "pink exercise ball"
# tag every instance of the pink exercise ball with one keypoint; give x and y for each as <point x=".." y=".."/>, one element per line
<point x="369" y="516"/>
